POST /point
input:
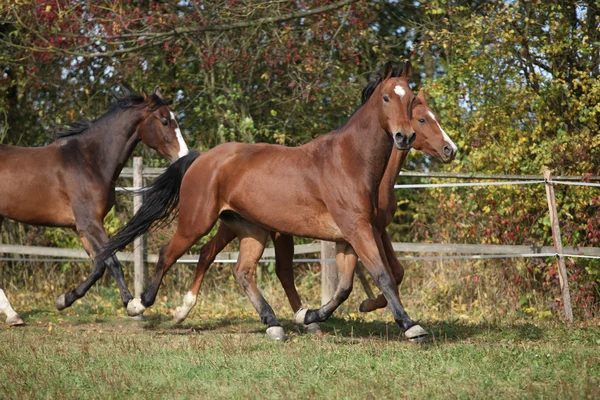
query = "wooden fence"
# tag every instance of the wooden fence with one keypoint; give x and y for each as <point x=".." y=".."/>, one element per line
<point x="327" y="249"/>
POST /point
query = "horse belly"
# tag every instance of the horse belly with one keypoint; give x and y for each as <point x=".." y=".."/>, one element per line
<point x="286" y="215"/>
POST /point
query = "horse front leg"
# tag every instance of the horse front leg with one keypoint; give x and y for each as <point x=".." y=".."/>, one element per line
<point x="369" y="246"/>
<point x="380" y="301"/>
<point x="94" y="237"/>
<point x="345" y="261"/>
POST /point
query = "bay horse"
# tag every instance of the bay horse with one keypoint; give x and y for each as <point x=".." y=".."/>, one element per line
<point x="71" y="182"/>
<point x="430" y="138"/>
<point x="326" y="189"/>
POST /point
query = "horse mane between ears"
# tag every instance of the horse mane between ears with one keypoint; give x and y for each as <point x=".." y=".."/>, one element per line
<point x="121" y="103"/>
<point x="371" y="86"/>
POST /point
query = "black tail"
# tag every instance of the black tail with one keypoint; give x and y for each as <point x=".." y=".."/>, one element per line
<point x="160" y="199"/>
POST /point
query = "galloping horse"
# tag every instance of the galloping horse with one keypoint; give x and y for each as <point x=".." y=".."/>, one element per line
<point x="326" y="189"/>
<point x="430" y="138"/>
<point x="71" y="182"/>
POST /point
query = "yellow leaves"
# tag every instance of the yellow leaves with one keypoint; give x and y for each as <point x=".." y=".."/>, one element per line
<point x="48" y="8"/>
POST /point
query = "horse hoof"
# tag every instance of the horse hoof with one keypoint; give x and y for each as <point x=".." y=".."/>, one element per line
<point x="416" y="334"/>
<point x="313" y="329"/>
<point x="276" y="333"/>
<point x="366" y="306"/>
<point x="180" y="315"/>
<point x="300" y="315"/>
<point x="135" y="307"/>
<point x="15" y="320"/>
<point x="61" y="302"/>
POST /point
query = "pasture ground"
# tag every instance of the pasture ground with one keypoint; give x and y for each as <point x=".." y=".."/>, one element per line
<point x="92" y="355"/>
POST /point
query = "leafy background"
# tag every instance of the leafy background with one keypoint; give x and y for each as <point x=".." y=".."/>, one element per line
<point x="515" y="84"/>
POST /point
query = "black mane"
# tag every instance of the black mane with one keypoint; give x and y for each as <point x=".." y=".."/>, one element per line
<point x="121" y="103"/>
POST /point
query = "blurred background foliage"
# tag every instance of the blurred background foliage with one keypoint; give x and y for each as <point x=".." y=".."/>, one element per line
<point x="515" y="84"/>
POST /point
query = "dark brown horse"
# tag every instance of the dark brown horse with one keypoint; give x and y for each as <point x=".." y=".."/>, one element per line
<point x="71" y="182"/>
<point x="430" y="138"/>
<point x="327" y="189"/>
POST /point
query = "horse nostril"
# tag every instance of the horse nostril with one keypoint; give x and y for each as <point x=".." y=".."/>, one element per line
<point x="398" y="137"/>
<point x="412" y="138"/>
<point x="447" y="151"/>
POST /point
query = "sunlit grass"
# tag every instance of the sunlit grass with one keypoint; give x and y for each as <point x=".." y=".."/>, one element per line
<point x="92" y="350"/>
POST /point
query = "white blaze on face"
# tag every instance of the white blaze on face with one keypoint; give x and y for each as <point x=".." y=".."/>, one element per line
<point x="183" y="149"/>
<point x="446" y="137"/>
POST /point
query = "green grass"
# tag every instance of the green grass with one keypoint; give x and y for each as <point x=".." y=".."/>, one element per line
<point x="94" y="356"/>
<point x="485" y="345"/>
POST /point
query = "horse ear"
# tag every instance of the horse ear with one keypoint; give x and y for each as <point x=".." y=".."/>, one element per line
<point x="146" y="97"/>
<point x="414" y="102"/>
<point x="388" y="70"/>
<point x="422" y="98"/>
<point x="406" y="70"/>
<point x="157" y="92"/>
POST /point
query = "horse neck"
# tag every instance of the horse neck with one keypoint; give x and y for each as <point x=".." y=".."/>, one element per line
<point x="370" y="144"/>
<point x="114" y="141"/>
<point x="393" y="169"/>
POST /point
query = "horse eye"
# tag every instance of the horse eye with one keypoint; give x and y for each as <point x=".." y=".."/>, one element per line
<point x="422" y="121"/>
<point x="386" y="99"/>
<point x="164" y="121"/>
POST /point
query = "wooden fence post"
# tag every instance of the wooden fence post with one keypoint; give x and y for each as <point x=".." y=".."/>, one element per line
<point x="138" y="244"/>
<point x="562" y="270"/>
<point x="329" y="277"/>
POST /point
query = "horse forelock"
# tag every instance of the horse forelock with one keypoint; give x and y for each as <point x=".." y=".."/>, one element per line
<point x="376" y="81"/>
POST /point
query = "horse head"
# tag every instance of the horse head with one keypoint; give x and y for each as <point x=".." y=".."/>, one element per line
<point x="159" y="129"/>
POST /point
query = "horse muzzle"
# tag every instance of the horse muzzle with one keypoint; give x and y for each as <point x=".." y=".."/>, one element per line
<point x="404" y="141"/>
<point x="448" y="153"/>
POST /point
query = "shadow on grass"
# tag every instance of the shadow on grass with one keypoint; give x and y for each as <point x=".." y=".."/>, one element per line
<point x="444" y="331"/>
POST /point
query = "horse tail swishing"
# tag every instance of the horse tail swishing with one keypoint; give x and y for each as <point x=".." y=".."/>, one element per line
<point x="160" y="200"/>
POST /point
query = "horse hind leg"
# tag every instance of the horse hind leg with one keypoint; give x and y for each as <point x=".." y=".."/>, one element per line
<point x="284" y="268"/>
<point x="208" y="252"/>
<point x="252" y="244"/>
<point x="12" y="318"/>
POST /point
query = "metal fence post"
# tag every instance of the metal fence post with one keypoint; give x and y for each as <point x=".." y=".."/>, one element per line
<point x="562" y="270"/>
<point x="138" y="244"/>
<point x="329" y="277"/>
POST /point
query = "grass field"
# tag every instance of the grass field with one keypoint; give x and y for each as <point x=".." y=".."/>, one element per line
<point x="485" y="344"/>
<point x="94" y="356"/>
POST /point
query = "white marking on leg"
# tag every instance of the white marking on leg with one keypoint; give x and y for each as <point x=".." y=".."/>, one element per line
<point x="300" y="315"/>
<point x="183" y="149"/>
<point x="135" y="307"/>
<point x="181" y="312"/>
<point x="5" y="306"/>
<point x="446" y="137"/>
<point x="399" y="90"/>
<point x="276" y="333"/>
